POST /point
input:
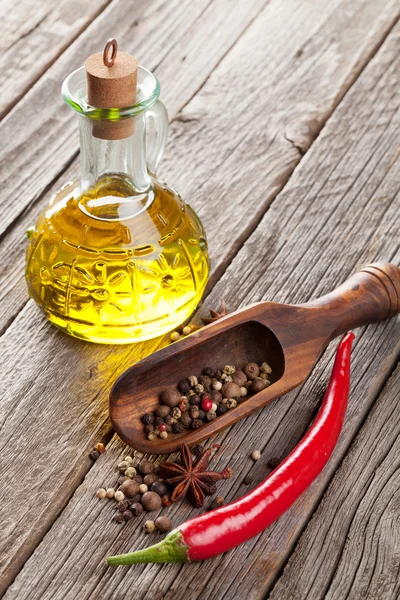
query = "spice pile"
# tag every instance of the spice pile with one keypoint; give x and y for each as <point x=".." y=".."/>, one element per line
<point x="149" y="487"/>
<point x="199" y="400"/>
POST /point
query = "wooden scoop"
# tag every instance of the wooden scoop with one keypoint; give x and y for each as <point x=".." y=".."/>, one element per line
<point x="290" y="338"/>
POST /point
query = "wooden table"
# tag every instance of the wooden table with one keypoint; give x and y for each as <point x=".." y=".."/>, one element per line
<point x="285" y="128"/>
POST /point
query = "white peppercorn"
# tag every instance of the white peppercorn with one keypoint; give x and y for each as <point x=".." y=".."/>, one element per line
<point x="101" y="493"/>
<point x="130" y="472"/>
<point x="110" y="492"/>
<point x="143" y="488"/>
<point x="149" y="526"/>
<point x="217" y="385"/>
<point x="119" y="495"/>
<point x="255" y="455"/>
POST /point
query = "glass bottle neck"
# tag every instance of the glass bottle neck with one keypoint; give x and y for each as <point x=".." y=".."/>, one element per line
<point x="122" y="160"/>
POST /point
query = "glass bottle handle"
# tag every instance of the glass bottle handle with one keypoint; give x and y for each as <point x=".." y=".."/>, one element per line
<point x="156" y="135"/>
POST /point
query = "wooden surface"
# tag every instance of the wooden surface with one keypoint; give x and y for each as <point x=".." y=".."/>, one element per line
<point x="285" y="138"/>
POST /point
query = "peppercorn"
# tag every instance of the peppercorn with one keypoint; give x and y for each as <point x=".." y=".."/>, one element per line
<point x="170" y="397"/>
<point x="151" y="501"/>
<point x="196" y="423"/>
<point x="209" y="371"/>
<point x="217" y="502"/>
<point x="128" y="515"/>
<point x="243" y="392"/>
<point x="101" y="493"/>
<point x="159" y="488"/>
<point x="251" y="370"/>
<point x="229" y="369"/>
<point x="163" y="524"/>
<point x="239" y="378"/>
<point x="222" y="409"/>
<point x="174" y="336"/>
<point x="258" y="385"/>
<point x="206" y="403"/>
<point x="185" y="419"/>
<point x="194" y="412"/>
<point x="215" y="396"/>
<point x="169" y="419"/>
<point x="197" y="450"/>
<point x="231" y="403"/>
<point x="192" y="380"/>
<point x="121" y="479"/>
<point x="163" y="410"/>
<point x="176" y="413"/>
<point x="147" y="419"/>
<point x="211" y="415"/>
<point x="199" y="388"/>
<point x="119" y="495"/>
<point x="217" y="385"/>
<point x="184" y="386"/>
<point x="214" y="407"/>
<point x="146" y="467"/>
<point x="226" y="473"/>
<point x="128" y="459"/>
<point x="164" y="434"/>
<point x="202" y="415"/>
<point x="177" y="427"/>
<point x="205" y="382"/>
<point x="149" y="526"/>
<point x="266" y="368"/>
<point x="162" y="427"/>
<point x="130" y="472"/>
<point x="149" y="428"/>
<point x="183" y="404"/>
<point x="195" y="400"/>
<point x="119" y="517"/>
<point x="138" y="479"/>
<point x="158" y="421"/>
<point x="137" y="509"/>
<point x="136" y="498"/>
<point x="248" y="480"/>
<point x="94" y="455"/>
<point x="187" y="330"/>
<point x="129" y="488"/>
<point x="150" y="479"/>
<point x="255" y="455"/>
<point x="110" y="492"/>
<point x="123" y="505"/>
<point x="123" y="466"/>
<point x="100" y="448"/>
<point x="143" y="488"/>
<point x="151" y="436"/>
<point x="230" y="390"/>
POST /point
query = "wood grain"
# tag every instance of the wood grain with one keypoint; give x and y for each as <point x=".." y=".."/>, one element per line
<point x="33" y="35"/>
<point x="228" y="164"/>
<point x="339" y="210"/>
<point x="351" y="547"/>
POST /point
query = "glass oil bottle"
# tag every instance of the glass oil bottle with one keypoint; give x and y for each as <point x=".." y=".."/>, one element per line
<point x="117" y="257"/>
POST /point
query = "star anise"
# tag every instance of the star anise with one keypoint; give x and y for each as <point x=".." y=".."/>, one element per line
<point x="215" y="315"/>
<point x="190" y="478"/>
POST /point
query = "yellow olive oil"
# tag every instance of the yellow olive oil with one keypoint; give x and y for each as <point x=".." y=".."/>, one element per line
<point x="112" y="266"/>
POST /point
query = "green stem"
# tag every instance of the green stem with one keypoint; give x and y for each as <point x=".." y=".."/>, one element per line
<point x="171" y="549"/>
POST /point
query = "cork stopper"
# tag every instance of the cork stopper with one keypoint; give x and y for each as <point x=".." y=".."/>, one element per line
<point x="111" y="78"/>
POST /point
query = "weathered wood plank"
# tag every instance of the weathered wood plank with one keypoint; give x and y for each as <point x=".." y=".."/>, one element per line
<point x="340" y="209"/>
<point x="351" y="547"/>
<point x="33" y="34"/>
<point x="215" y="156"/>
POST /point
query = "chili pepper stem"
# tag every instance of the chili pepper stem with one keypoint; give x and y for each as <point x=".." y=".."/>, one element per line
<point x="171" y="549"/>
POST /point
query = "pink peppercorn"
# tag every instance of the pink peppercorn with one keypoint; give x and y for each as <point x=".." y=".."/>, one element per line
<point x="163" y="427"/>
<point x="206" y="403"/>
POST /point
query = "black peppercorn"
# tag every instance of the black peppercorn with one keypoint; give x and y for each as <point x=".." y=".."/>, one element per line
<point x="222" y="409"/>
<point x="147" y="419"/>
<point x="123" y="505"/>
<point x="208" y="372"/>
<point x="119" y="517"/>
<point x="186" y="419"/>
<point x="196" y="423"/>
<point x="184" y="386"/>
<point x="136" y="498"/>
<point x="158" y="421"/>
<point x="169" y="419"/>
<point x="137" y="509"/>
<point x="150" y="479"/>
<point x="94" y="455"/>
<point x="159" y="488"/>
<point x="202" y="415"/>
<point x="205" y="382"/>
<point x="128" y="515"/>
<point x="195" y="400"/>
<point x="177" y="427"/>
<point x="149" y="427"/>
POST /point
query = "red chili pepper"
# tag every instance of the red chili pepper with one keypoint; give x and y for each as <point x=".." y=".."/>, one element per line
<point x="226" y="527"/>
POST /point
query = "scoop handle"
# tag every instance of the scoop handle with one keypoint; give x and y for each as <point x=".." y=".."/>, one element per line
<point x="369" y="296"/>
